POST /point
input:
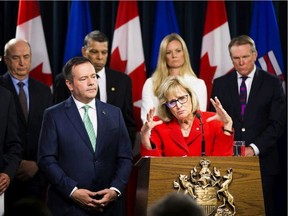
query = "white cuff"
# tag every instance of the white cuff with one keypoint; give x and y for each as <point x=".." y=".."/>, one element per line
<point x="256" y="150"/>
<point x="117" y="191"/>
<point x="73" y="191"/>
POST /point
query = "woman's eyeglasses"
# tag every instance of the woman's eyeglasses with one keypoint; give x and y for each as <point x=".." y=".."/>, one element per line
<point x="182" y="100"/>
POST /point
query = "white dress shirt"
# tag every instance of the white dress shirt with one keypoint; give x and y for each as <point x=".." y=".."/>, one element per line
<point x="102" y="85"/>
<point x="248" y="83"/>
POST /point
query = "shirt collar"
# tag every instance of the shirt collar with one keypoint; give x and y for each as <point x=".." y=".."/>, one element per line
<point x="251" y="74"/>
<point x="101" y="73"/>
<point x="80" y="104"/>
<point x="16" y="81"/>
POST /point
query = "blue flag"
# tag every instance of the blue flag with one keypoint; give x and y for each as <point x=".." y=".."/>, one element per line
<point x="78" y="27"/>
<point x="165" y="23"/>
<point x="264" y="31"/>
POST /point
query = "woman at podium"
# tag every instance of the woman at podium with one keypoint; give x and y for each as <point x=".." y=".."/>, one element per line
<point x="178" y="128"/>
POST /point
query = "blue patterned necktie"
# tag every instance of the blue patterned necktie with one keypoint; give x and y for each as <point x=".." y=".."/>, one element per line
<point x="243" y="96"/>
<point x="89" y="127"/>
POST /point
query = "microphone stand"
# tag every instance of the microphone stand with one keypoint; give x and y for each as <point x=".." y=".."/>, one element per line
<point x="203" y="143"/>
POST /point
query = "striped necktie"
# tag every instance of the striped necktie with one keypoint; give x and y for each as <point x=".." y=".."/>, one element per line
<point x="243" y="96"/>
<point x="89" y="127"/>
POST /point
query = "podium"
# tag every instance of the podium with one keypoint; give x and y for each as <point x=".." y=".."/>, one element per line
<point x="157" y="177"/>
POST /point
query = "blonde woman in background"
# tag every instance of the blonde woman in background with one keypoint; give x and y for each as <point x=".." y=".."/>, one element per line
<point x="173" y="60"/>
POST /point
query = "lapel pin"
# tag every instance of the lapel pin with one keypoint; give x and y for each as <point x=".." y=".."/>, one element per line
<point x="113" y="89"/>
<point x="104" y="112"/>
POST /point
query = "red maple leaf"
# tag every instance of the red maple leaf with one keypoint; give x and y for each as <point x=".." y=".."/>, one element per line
<point x="116" y="62"/>
<point x="37" y="74"/>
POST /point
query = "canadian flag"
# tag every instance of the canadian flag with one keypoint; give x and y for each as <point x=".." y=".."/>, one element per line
<point x="215" y="57"/>
<point x="127" y="53"/>
<point x="29" y="27"/>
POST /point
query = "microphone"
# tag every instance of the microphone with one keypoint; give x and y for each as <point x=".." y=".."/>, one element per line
<point x="202" y="130"/>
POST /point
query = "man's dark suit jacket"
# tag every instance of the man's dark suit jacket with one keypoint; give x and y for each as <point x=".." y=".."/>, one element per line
<point x="40" y="97"/>
<point x="119" y="93"/>
<point x="263" y="123"/>
<point x="264" y="118"/>
<point x="67" y="158"/>
<point x="10" y="144"/>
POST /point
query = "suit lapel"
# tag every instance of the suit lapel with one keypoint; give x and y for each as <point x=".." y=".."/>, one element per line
<point x="196" y="129"/>
<point x="255" y="86"/>
<point x="110" y="87"/>
<point x="7" y="82"/>
<point x="235" y="100"/>
<point x="176" y="135"/>
<point x="33" y="94"/>
<point x="101" y="124"/>
<point x="75" y="119"/>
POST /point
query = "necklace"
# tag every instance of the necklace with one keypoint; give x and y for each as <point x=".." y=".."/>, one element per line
<point x="188" y="125"/>
<point x="186" y="132"/>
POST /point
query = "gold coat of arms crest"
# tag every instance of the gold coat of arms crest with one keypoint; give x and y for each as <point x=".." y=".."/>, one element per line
<point x="208" y="188"/>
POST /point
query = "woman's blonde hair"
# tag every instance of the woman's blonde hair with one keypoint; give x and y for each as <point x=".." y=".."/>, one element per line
<point x="162" y="69"/>
<point x="171" y="85"/>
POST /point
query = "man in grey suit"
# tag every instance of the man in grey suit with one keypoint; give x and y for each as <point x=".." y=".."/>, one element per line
<point x="262" y="122"/>
<point x="85" y="178"/>
<point x="115" y="87"/>
<point x="28" y="181"/>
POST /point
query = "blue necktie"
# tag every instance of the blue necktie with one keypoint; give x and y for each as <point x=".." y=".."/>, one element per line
<point x="89" y="127"/>
<point x="243" y="96"/>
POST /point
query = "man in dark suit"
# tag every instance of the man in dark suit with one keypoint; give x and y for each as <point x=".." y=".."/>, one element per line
<point x="85" y="177"/>
<point x="115" y="87"/>
<point x="10" y="144"/>
<point x="28" y="181"/>
<point x="262" y="121"/>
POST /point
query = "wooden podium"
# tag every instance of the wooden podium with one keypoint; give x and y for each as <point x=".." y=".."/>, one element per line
<point x="157" y="174"/>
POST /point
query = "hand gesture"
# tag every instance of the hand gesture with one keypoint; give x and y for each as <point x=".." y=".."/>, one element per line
<point x="147" y="127"/>
<point x="221" y="114"/>
<point x="150" y="123"/>
<point x="85" y="198"/>
<point x="105" y="196"/>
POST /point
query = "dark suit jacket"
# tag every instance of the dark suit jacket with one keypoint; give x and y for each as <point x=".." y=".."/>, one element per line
<point x="40" y="98"/>
<point x="169" y="141"/>
<point x="264" y="117"/>
<point x="10" y="144"/>
<point x="67" y="158"/>
<point x="119" y="93"/>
